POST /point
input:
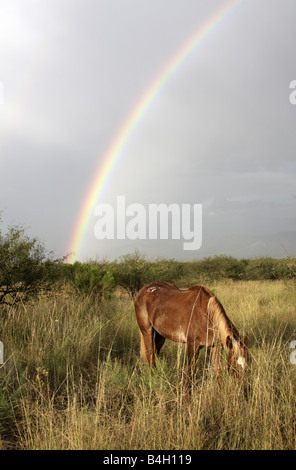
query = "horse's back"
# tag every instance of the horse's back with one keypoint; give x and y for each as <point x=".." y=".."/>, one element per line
<point x="159" y="291"/>
<point x="152" y="286"/>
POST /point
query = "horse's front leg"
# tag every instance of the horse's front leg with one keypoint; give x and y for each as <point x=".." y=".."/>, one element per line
<point x="215" y="354"/>
<point x="193" y="349"/>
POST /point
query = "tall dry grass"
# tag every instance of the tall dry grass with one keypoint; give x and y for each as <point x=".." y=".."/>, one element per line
<point x="73" y="378"/>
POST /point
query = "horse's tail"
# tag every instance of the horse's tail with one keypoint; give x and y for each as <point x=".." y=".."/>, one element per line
<point x="223" y="327"/>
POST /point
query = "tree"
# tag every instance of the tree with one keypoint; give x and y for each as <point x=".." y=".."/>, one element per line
<point x="25" y="266"/>
<point x="132" y="271"/>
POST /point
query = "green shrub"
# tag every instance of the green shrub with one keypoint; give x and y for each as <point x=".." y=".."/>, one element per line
<point x="132" y="271"/>
<point x="25" y="266"/>
<point x="89" y="278"/>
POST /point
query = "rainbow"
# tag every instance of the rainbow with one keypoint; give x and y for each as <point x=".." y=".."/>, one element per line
<point x="116" y="150"/>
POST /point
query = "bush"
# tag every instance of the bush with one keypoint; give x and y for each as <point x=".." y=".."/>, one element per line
<point x="25" y="266"/>
<point x="89" y="278"/>
<point x="225" y="267"/>
<point x="267" y="269"/>
<point x="132" y="271"/>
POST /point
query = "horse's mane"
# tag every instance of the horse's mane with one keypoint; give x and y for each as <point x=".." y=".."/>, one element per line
<point x="220" y="320"/>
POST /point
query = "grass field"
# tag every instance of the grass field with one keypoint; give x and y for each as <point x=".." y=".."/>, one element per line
<point x="73" y="378"/>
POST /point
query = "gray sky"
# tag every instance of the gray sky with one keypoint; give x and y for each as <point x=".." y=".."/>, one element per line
<point x="221" y="133"/>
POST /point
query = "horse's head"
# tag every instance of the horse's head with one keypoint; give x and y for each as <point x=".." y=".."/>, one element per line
<point x="237" y="356"/>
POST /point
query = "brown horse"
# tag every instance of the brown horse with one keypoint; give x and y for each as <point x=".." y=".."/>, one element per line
<point x="193" y="316"/>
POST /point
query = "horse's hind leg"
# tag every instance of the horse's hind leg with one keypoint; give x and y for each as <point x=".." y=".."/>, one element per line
<point x="146" y="332"/>
<point x="147" y="349"/>
<point x="151" y="343"/>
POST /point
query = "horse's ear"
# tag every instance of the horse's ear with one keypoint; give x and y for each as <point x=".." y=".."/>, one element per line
<point x="246" y="340"/>
<point x="229" y="342"/>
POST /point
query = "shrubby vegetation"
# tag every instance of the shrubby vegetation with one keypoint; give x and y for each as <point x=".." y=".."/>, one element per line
<point x="225" y="267"/>
<point x="26" y="269"/>
<point x="132" y="271"/>
<point x="88" y="278"/>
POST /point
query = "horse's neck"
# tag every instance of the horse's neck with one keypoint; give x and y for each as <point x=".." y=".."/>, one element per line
<point x="221" y="323"/>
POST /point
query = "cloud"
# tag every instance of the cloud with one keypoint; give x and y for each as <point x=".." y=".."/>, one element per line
<point x="220" y="133"/>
